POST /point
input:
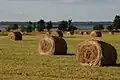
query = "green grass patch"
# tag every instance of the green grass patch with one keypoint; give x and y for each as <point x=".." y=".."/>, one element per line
<point x="19" y="60"/>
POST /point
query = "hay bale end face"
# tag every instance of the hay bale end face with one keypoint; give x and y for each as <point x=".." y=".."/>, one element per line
<point x="96" y="34"/>
<point x="96" y="53"/>
<point x="56" y="33"/>
<point x="15" y="35"/>
<point x="52" y="45"/>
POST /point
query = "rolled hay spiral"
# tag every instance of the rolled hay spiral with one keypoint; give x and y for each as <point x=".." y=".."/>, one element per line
<point x="96" y="34"/>
<point x="15" y="35"/>
<point x="51" y="45"/>
<point x="56" y="33"/>
<point x="96" y="53"/>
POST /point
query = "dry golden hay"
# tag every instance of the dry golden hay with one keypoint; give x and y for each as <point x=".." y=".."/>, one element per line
<point x="51" y="45"/>
<point x="56" y="33"/>
<point x="111" y="33"/>
<point x="85" y="33"/>
<point x="96" y="34"/>
<point x="96" y="53"/>
<point x="15" y="35"/>
<point x="48" y="33"/>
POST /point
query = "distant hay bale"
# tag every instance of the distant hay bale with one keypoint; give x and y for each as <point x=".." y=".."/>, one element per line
<point x="81" y="32"/>
<point x="96" y="34"/>
<point x="68" y="33"/>
<point x="56" y="33"/>
<point x="15" y="35"/>
<point x="52" y="45"/>
<point x="96" y="53"/>
<point x="72" y="32"/>
<point x="85" y="33"/>
<point x="111" y="33"/>
<point x="45" y="30"/>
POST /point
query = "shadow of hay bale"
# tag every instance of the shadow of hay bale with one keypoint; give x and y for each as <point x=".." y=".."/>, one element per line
<point x="117" y="65"/>
<point x="96" y="53"/>
<point x="109" y="54"/>
<point x="60" y="46"/>
<point x="68" y="54"/>
<point x="28" y="40"/>
<point x="70" y="37"/>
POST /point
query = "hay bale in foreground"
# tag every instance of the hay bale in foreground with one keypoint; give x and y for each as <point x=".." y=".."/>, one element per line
<point x="96" y="53"/>
<point x="56" y="33"/>
<point x="96" y="34"/>
<point x="52" y="45"/>
<point x="15" y="35"/>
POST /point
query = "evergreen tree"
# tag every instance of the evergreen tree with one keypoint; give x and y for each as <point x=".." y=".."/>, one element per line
<point x="49" y="25"/>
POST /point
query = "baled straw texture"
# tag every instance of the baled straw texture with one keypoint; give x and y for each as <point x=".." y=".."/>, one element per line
<point x="52" y="45"/>
<point x="96" y="53"/>
<point x="96" y="34"/>
<point x="56" y="33"/>
<point x="15" y="35"/>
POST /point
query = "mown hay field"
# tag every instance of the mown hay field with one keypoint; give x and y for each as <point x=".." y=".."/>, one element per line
<point x="20" y="60"/>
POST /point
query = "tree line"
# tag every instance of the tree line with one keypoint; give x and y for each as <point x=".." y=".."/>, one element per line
<point x="114" y="27"/>
<point x="41" y="25"/>
<point x="63" y="25"/>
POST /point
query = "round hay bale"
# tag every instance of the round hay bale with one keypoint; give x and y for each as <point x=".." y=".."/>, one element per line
<point x="96" y="53"/>
<point x="72" y="32"/>
<point x="96" y="34"/>
<point x="81" y="33"/>
<point x="56" y="33"/>
<point x="68" y="33"/>
<point x="52" y="45"/>
<point x="111" y="33"/>
<point x="15" y="35"/>
<point x="85" y="33"/>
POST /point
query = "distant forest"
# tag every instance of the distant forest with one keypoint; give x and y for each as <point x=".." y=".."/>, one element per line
<point x="56" y="23"/>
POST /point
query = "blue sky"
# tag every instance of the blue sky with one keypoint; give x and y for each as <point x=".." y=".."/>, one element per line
<point x="55" y="10"/>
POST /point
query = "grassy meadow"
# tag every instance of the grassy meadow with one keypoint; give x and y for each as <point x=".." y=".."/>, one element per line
<point x="20" y="60"/>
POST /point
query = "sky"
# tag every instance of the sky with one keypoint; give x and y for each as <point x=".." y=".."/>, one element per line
<point x="56" y="10"/>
